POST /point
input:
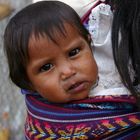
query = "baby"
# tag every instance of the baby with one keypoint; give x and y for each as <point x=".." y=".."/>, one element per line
<point x="50" y="57"/>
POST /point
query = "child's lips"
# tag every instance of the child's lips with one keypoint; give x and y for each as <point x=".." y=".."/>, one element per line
<point x="77" y="87"/>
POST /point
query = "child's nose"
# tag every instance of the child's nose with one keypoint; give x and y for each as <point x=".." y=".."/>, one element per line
<point x="67" y="71"/>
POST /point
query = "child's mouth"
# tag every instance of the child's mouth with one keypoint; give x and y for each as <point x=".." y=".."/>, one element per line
<point x="77" y="87"/>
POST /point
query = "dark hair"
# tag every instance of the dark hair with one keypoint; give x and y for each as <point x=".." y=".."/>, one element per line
<point x="45" y="17"/>
<point x="126" y="42"/>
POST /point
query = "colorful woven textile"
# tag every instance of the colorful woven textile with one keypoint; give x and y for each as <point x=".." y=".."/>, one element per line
<point x="97" y="118"/>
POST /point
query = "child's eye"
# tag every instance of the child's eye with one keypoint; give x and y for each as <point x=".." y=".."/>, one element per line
<point x="74" y="52"/>
<point x="46" y="67"/>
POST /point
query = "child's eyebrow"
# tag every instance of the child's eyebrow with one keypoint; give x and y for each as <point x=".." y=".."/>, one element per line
<point x="77" y="42"/>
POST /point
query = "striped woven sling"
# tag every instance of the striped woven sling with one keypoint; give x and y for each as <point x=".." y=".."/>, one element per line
<point x="97" y="118"/>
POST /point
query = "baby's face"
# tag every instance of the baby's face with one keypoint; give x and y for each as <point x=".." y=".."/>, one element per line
<point x="61" y="72"/>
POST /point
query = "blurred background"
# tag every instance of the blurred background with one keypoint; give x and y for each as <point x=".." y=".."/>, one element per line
<point x="12" y="106"/>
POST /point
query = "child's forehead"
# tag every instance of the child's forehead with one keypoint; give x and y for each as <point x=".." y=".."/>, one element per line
<point x="58" y="38"/>
<point x="55" y="34"/>
<point x="46" y="48"/>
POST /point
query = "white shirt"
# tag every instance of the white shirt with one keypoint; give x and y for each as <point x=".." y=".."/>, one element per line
<point x="100" y="21"/>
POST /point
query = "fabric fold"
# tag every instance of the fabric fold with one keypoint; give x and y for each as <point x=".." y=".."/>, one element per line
<point x="102" y="117"/>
